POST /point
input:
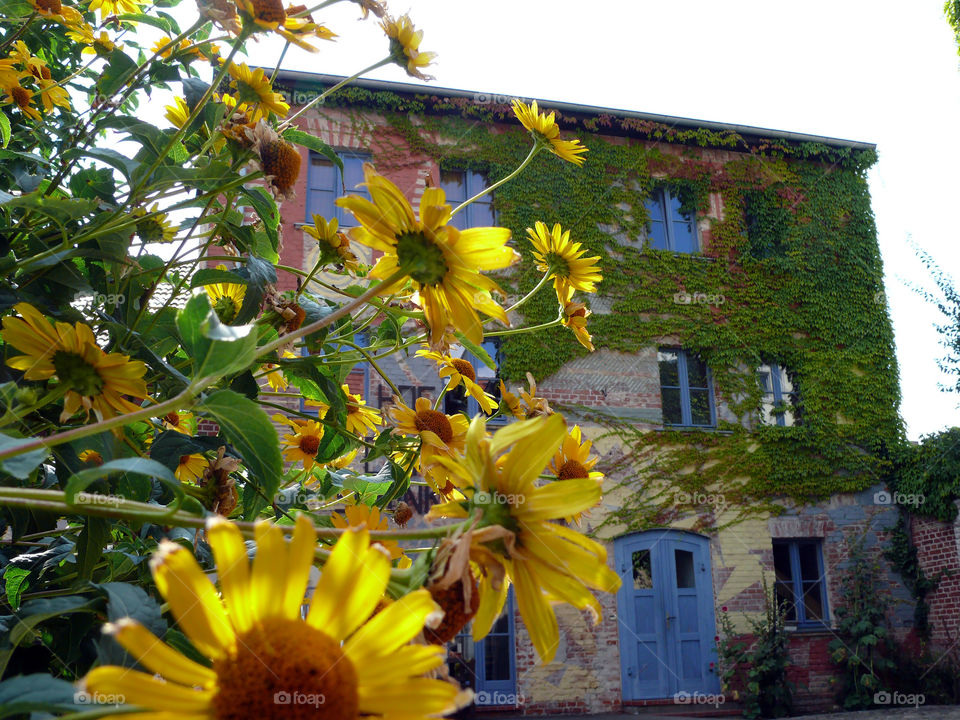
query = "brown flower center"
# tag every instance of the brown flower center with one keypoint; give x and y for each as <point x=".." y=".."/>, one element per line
<point x="269" y="11"/>
<point x="173" y="418"/>
<point x="571" y="470"/>
<point x="579" y="312"/>
<point x="436" y="422"/>
<point x="50" y="6"/>
<point x="464" y="368"/>
<point x="281" y="160"/>
<point x="21" y="96"/>
<point x="285" y="669"/>
<point x="455" y="612"/>
<point x="310" y="444"/>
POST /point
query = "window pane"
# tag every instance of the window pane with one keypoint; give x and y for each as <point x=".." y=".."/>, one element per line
<point x="353" y="175"/>
<point x="669" y="367"/>
<point x="700" y="407"/>
<point x="784" y="595"/>
<point x="809" y="567"/>
<point x="322" y="173"/>
<point x="813" y="601"/>
<point x="654" y="206"/>
<point x="684" y="562"/>
<point x="696" y="372"/>
<point x="455" y="401"/>
<point x="482" y="214"/>
<point x="684" y="237"/>
<point x="320" y="202"/>
<point x="453" y="183"/>
<point x="642" y="572"/>
<point x="781" y="562"/>
<point x="672" y="414"/>
<point x="657" y="236"/>
<point x="765" y="379"/>
<point x="496" y="657"/>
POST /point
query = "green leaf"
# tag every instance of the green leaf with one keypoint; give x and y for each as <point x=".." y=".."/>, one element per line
<point x="267" y="211"/>
<point x="33" y="613"/>
<point x="119" y="69"/>
<point x="15" y="581"/>
<point x="215" y="349"/>
<point x="209" y="276"/>
<point x="5" y="128"/>
<point x="157" y="22"/>
<point x="111" y="157"/>
<point x="24" y="694"/>
<point x="257" y="273"/>
<point x="170" y="445"/>
<point x="93" y="538"/>
<point x="250" y="431"/>
<point x="137" y="466"/>
<point x="126" y="600"/>
<point x="314" y="384"/>
<point x="478" y="351"/>
<point x="314" y="143"/>
<point x="20" y="466"/>
<point x="60" y="210"/>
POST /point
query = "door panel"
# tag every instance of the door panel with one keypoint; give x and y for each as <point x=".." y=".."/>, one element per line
<point x="667" y="622"/>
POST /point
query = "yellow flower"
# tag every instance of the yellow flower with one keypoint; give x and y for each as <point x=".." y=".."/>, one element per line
<point x="528" y="405"/>
<point x="544" y="560"/>
<point x="343" y="461"/>
<point x="185" y="50"/>
<point x="563" y="259"/>
<point x="96" y="380"/>
<point x="334" y="245"/>
<point x="360" y="418"/>
<point x="440" y="434"/>
<point x="91" y="457"/>
<point x="157" y="227"/>
<point x="303" y="445"/>
<point x="443" y="262"/>
<point x="271" y="16"/>
<point x="512" y="402"/>
<point x="182" y="421"/>
<point x="544" y="130"/>
<point x="23" y="98"/>
<point x="178" y="113"/>
<point x="365" y="516"/>
<point x="191" y="467"/>
<point x="405" y="46"/>
<point x="58" y="12"/>
<point x="575" y="317"/>
<point x="275" y="378"/>
<point x="573" y="461"/>
<point x="226" y="298"/>
<point x="253" y="88"/>
<point x="457" y="371"/>
<point x="115" y="7"/>
<point x="265" y="660"/>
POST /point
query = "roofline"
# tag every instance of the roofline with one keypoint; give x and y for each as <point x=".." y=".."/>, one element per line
<point x="565" y="107"/>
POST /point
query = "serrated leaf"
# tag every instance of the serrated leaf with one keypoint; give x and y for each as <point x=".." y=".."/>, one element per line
<point x="314" y="143"/>
<point x="477" y="351"/>
<point x="15" y="581"/>
<point x="250" y="431"/>
<point x="257" y="273"/>
<point x="119" y="69"/>
<point x="215" y="349"/>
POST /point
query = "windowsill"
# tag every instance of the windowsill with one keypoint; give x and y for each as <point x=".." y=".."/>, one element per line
<point x="298" y="225"/>
<point x="694" y="428"/>
<point x="809" y="629"/>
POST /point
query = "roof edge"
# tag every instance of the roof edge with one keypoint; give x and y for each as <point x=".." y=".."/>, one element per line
<point x="566" y="107"/>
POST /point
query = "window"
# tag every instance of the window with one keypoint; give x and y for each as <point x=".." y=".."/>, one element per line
<point x="685" y="389"/>
<point x="799" y="586"/>
<point x="458" y="401"/>
<point x="669" y="227"/>
<point x="326" y="182"/>
<point x="780" y="404"/>
<point x="461" y="185"/>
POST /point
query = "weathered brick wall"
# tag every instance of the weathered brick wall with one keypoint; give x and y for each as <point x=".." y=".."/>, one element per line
<point x="938" y="552"/>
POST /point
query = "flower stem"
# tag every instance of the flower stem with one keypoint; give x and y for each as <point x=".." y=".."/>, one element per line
<point x="532" y="154"/>
<point x="523" y="300"/>
<point x="517" y="331"/>
<point x="289" y="121"/>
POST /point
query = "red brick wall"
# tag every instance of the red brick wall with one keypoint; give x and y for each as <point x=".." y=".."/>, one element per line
<point x="937" y="551"/>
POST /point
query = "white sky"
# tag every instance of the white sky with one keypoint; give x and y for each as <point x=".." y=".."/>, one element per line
<point x="881" y="72"/>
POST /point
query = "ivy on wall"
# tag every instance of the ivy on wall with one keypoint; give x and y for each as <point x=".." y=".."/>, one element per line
<point x="794" y="256"/>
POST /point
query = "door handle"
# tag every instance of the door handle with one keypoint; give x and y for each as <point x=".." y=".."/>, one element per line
<point x="630" y="671"/>
<point x="669" y="618"/>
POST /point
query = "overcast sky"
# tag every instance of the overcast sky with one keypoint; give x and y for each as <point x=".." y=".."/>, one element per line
<point x="880" y="72"/>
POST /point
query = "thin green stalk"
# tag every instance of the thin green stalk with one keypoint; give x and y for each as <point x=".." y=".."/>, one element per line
<point x="533" y="153"/>
<point x="531" y="328"/>
<point x="373" y="362"/>
<point x="523" y="300"/>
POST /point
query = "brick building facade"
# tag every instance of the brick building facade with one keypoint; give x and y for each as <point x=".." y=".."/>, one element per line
<point x="593" y="670"/>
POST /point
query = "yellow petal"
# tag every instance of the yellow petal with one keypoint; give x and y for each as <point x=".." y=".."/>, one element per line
<point x="432" y="697"/>
<point x="560" y="498"/>
<point x="530" y="455"/>
<point x="299" y="562"/>
<point x="269" y="572"/>
<point x="491" y="605"/>
<point x="536" y="612"/>
<point x="392" y="627"/>
<point x="158" y="657"/>
<point x="138" y="688"/>
<point x="233" y="570"/>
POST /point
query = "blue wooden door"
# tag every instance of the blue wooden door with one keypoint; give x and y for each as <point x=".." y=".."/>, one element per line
<point x="665" y="607"/>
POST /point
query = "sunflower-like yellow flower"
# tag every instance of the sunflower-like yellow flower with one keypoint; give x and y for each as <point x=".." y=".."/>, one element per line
<point x="58" y="12"/>
<point x="270" y="15"/>
<point x="226" y="298"/>
<point x="343" y="461"/>
<point x="265" y="660"/>
<point x="303" y="445"/>
<point x="90" y="457"/>
<point x="440" y="434"/>
<point x="100" y="44"/>
<point x="115" y="7"/>
<point x="575" y="316"/>
<point x="544" y="130"/>
<point x="275" y="378"/>
<point x="366" y="516"/>
<point x="156" y="228"/>
<point x="573" y="459"/>
<point x="563" y="259"/>
<point x="457" y="371"/>
<point x="23" y="98"/>
<point x="405" y="46"/>
<point x="361" y="420"/>
<point x="178" y="113"/>
<point x="545" y="561"/>
<point x="181" y="421"/>
<point x="95" y="380"/>
<point x="443" y="262"/>
<point x="334" y="245"/>
<point x="528" y="405"/>
<point x="253" y="88"/>
<point x="190" y="467"/>
<point x="185" y="50"/>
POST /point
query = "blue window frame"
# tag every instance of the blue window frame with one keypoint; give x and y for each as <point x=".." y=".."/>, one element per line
<point x="780" y="404"/>
<point x="326" y="182"/>
<point x="800" y="588"/>
<point x="489" y="666"/>
<point x="669" y="228"/>
<point x="686" y="389"/>
<point x="458" y="401"/>
<point x="460" y="185"/>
